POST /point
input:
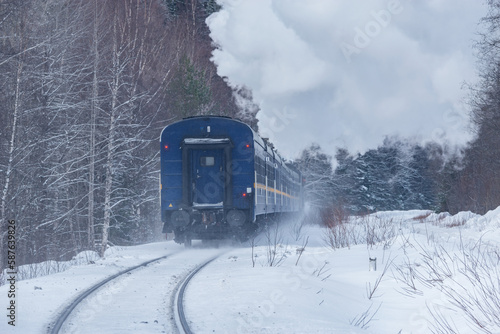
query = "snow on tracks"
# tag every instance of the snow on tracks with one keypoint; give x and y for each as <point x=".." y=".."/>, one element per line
<point x="134" y="300"/>
<point x="178" y="301"/>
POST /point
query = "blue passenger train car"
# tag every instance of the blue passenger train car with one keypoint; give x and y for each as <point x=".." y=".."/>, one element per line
<point x="218" y="178"/>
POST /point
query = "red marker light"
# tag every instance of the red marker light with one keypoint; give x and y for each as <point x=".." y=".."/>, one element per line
<point x="166" y="147"/>
<point x="244" y="195"/>
<point x="247" y="145"/>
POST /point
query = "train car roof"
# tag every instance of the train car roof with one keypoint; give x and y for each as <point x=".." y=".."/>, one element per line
<point x="187" y="119"/>
<point x="264" y="143"/>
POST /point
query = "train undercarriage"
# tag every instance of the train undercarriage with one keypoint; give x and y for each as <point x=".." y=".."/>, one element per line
<point x="210" y="225"/>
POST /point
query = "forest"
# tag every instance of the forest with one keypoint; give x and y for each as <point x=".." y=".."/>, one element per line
<point x="85" y="89"/>
<point x="87" y="85"/>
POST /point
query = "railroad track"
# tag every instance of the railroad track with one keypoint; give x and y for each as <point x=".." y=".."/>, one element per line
<point x="178" y="304"/>
<point x="66" y="313"/>
<point x="179" y="320"/>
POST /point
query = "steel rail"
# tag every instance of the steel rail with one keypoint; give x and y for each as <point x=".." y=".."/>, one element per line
<point x="67" y="311"/>
<point x="180" y="297"/>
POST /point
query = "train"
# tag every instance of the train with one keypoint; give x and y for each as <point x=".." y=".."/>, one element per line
<point x="219" y="179"/>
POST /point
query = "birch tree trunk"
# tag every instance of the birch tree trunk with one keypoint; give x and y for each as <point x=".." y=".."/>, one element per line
<point x="92" y="142"/>
<point x="116" y="68"/>
<point x="10" y="163"/>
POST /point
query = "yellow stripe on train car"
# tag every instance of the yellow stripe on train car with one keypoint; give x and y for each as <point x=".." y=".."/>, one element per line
<point x="262" y="186"/>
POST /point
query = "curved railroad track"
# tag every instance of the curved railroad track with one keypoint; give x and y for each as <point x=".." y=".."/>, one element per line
<point x="178" y="304"/>
<point x="178" y="320"/>
<point x="56" y="327"/>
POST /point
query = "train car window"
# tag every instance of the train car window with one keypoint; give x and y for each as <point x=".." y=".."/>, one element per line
<point x="261" y="171"/>
<point x="270" y="172"/>
<point x="207" y="161"/>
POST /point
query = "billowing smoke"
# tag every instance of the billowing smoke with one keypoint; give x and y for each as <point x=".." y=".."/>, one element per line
<point x="348" y="73"/>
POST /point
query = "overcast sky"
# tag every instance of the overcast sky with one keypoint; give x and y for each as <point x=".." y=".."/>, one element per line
<point x="346" y="73"/>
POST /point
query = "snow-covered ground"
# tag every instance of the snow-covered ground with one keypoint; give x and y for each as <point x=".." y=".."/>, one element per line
<point x="434" y="273"/>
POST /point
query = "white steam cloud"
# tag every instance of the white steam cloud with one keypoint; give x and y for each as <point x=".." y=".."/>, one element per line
<point x="348" y="73"/>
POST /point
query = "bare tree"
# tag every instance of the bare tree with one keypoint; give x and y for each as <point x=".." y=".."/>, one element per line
<point x="475" y="183"/>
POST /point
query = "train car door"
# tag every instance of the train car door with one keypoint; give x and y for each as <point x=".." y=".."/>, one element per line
<point x="208" y="177"/>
